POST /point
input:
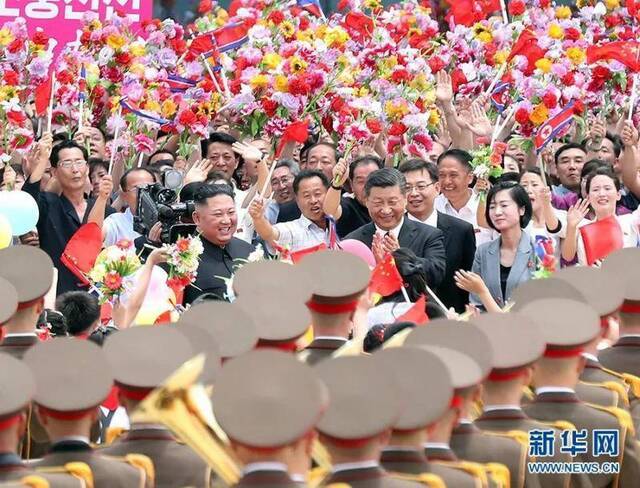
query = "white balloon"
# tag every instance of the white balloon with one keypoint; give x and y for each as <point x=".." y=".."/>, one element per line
<point x="20" y="209"/>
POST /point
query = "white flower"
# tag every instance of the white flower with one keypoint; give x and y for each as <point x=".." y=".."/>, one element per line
<point x="481" y="171"/>
<point x="257" y="255"/>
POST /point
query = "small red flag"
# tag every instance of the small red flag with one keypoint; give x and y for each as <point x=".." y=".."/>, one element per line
<point x="42" y="97"/>
<point x="294" y="132"/>
<point x="82" y="250"/>
<point x="203" y="44"/>
<point x="601" y="238"/>
<point x="385" y="278"/>
<point x="626" y="52"/>
<point x="527" y="46"/>
<point x="417" y="313"/>
<point x="298" y="255"/>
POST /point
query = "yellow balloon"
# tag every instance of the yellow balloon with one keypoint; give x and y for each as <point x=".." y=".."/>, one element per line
<point x="149" y="312"/>
<point x="5" y="232"/>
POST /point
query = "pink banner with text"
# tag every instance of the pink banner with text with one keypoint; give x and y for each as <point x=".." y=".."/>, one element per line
<point x="61" y="19"/>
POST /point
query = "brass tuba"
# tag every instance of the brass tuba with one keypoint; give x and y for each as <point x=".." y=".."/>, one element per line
<point x="183" y="405"/>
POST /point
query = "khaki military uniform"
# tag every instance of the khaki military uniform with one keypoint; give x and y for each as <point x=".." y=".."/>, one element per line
<point x="13" y="469"/>
<point x="17" y="345"/>
<point x="321" y="348"/>
<point x="108" y="472"/>
<point x="374" y="477"/>
<point x="175" y="464"/>
<point x="623" y="356"/>
<point x="566" y="406"/>
<point x="267" y="479"/>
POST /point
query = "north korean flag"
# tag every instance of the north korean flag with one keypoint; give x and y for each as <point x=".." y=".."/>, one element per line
<point x="311" y="6"/>
<point x="231" y="36"/>
<point x="552" y="127"/>
<point x="499" y="96"/>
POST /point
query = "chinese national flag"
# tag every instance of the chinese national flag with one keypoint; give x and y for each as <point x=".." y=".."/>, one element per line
<point x="385" y="278"/>
<point x="82" y="250"/>
<point x="42" y="97"/>
<point x="625" y="52"/>
<point x="298" y="255"/>
<point x="468" y="12"/>
<point x="527" y="46"/>
<point x="417" y="313"/>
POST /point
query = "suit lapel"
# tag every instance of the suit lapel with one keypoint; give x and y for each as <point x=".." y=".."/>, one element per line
<point x="407" y="233"/>
<point x="521" y="263"/>
<point x="443" y="225"/>
<point x="367" y="234"/>
<point x="493" y="271"/>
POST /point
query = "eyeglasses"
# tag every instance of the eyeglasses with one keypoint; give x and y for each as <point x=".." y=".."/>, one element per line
<point x="76" y="164"/>
<point x="282" y="181"/>
<point x="420" y="187"/>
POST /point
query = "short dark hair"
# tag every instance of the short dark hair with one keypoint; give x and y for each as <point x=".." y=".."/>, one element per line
<point x="80" y="309"/>
<point x="603" y="171"/>
<point x="97" y="163"/>
<point x="162" y="151"/>
<point x="307" y="174"/>
<point x="463" y="157"/>
<point x="616" y="141"/>
<point x="592" y="165"/>
<point x="203" y="193"/>
<point x="517" y="193"/>
<point x="221" y="137"/>
<point x="566" y="147"/>
<point x="66" y="144"/>
<point x="420" y="165"/>
<point x="536" y="171"/>
<point x="123" y="178"/>
<point x="324" y="143"/>
<point x="509" y="176"/>
<point x="363" y="161"/>
<point x="385" y="178"/>
<point x="380" y="333"/>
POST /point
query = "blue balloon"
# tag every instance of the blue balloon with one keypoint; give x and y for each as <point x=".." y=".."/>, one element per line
<point x="20" y="209"/>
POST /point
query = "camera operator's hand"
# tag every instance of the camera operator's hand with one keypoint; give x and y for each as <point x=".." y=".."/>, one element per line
<point x="155" y="233"/>
<point x="248" y="152"/>
<point x="198" y="172"/>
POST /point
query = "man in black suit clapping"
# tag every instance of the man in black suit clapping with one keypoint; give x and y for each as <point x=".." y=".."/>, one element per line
<point x="459" y="237"/>
<point x="386" y="199"/>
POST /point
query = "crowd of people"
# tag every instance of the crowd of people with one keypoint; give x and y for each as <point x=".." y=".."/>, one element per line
<point x="314" y="311"/>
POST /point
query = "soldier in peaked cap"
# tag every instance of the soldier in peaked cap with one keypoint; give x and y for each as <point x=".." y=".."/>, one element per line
<point x="553" y="287"/>
<point x="517" y="344"/>
<point x="8" y="303"/>
<point x="142" y="358"/>
<point x="30" y="271"/>
<point x="623" y="356"/>
<point x="604" y="292"/>
<point x="202" y="341"/>
<point x="17" y="388"/>
<point x="467" y="352"/>
<point x="425" y="401"/>
<point x="339" y="280"/>
<point x="263" y="277"/>
<point x="567" y="326"/>
<point x="268" y="403"/>
<point x="356" y="426"/>
<point x="234" y="329"/>
<point x="67" y="398"/>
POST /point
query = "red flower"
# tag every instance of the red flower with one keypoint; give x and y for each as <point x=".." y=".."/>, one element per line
<point x="569" y="79"/>
<point x="612" y="20"/>
<point x="65" y="77"/>
<point x="16" y="118"/>
<point x="40" y="38"/>
<point x="490" y="51"/>
<point x="601" y="73"/>
<point x="516" y="7"/>
<point x="277" y="17"/>
<point x="179" y="46"/>
<point x="458" y="78"/>
<point x="269" y="106"/>
<point x="522" y="116"/>
<point x="299" y="86"/>
<point x="182" y="245"/>
<point x="304" y="23"/>
<point x="572" y="34"/>
<point x="424" y="140"/>
<point x="235" y="86"/>
<point x="400" y="75"/>
<point x="11" y="78"/>
<point x="545" y="3"/>
<point x="397" y="129"/>
<point x="374" y="126"/>
<point x="336" y="104"/>
<point x="436" y="64"/>
<point x="112" y="280"/>
<point x="550" y="101"/>
<point x="205" y="6"/>
<point x="124" y="244"/>
<point x="123" y="58"/>
<point x="578" y="107"/>
<point x="315" y="80"/>
<point x="15" y="46"/>
<point x="420" y="41"/>
<point x="187" y="118"/>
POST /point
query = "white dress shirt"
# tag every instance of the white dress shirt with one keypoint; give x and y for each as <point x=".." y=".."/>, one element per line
<point x="468" y="213"/>
<point x="118" y="226"/>
<point x="299" y="234"/>
<point x="431" y="220"/>
<point x="395" y="232"/>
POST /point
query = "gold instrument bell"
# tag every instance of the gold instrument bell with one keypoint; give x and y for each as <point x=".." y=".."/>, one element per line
<point x="183" y="405"/>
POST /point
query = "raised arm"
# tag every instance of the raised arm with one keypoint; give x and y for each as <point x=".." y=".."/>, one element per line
<point x="629" y="159"/>
<point x="331" y="204"/>
<point x="575" y="214"/>
<point x="97" y="211"/>
<point x="263" y="227"/>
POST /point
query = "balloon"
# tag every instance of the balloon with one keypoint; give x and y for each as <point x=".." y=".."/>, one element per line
<point x="20" y="209"/>
<point x="359" y="249"/>
<point x="5" y="232"/>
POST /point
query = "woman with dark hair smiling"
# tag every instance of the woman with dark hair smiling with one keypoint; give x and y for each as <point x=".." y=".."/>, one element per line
<point x="502" y="264"/>
<point x="603" y="193"/>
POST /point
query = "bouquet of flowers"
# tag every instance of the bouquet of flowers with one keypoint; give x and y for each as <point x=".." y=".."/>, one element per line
<point x="546" y="261"/>
<point x="487" y="161"/>
<point x="113" y="265"/>
<point x="184" y="257"/>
